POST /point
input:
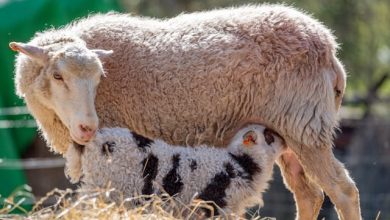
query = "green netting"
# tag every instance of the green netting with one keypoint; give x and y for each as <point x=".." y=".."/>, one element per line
<point x="19" y="20"/>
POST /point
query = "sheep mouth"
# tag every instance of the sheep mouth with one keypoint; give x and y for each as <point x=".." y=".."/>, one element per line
<point x="78" y="140"/>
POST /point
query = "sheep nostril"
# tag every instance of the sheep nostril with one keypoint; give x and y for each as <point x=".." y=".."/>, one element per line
<point x="87" y="132"/>
<point x="108" y="147"/>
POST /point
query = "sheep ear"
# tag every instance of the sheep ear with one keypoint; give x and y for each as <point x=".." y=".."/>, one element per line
<point x="34" y="52"/>
<point x="249" y="138"/>
<point x="102" y="53"/>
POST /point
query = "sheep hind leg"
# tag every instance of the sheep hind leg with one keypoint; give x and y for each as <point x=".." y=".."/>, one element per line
<point x="307" y="194"/>
<point x="323" y="168"/>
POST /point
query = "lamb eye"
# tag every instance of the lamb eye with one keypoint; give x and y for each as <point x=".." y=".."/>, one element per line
<point x="57" y="76"/>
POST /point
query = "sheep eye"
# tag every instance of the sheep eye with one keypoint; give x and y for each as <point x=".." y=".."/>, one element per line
<point x="57" y="76"/>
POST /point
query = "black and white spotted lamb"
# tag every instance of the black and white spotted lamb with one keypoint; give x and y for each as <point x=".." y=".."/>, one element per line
<point x="233" y="178"/>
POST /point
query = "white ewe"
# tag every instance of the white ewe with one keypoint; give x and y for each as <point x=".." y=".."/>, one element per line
<point x="194" y="79"/>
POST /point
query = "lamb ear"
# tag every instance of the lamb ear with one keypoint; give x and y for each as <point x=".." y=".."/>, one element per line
<point x="102" y="53"/>
<point x="34" y="52"/>
<point x="249" y="138"/>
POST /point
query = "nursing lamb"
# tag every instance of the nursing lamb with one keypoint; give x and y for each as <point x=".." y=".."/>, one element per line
<point x="194" y="79"/>
<point x="233" y="178"/>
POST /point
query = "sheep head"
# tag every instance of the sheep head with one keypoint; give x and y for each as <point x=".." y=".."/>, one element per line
<point x="63" y="77"/>
<point x="257" y="140"/>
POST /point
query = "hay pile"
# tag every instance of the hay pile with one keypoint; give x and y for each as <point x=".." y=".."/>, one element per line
<point x="75" y="205"/>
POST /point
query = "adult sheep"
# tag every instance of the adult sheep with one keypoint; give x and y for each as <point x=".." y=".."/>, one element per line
<point x="194" y="79"/>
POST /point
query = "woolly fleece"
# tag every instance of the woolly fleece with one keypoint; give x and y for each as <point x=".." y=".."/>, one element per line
<point x="123" y="165"/>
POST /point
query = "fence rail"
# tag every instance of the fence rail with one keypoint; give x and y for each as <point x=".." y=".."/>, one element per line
<point x="15" y="110"/>
<point x="29" y="123"/>
<point x="17" y="123"/>
<point x="31" y="163"/>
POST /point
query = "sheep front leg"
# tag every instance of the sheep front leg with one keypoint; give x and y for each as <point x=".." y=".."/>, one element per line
<point x="307" y="195"/>
<point x="73" y="162"/>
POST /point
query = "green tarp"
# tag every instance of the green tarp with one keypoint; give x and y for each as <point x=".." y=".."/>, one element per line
<point x="19" y="20"/>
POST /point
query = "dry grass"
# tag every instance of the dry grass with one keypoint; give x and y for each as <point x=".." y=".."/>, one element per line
<point x="75" y="205"/>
